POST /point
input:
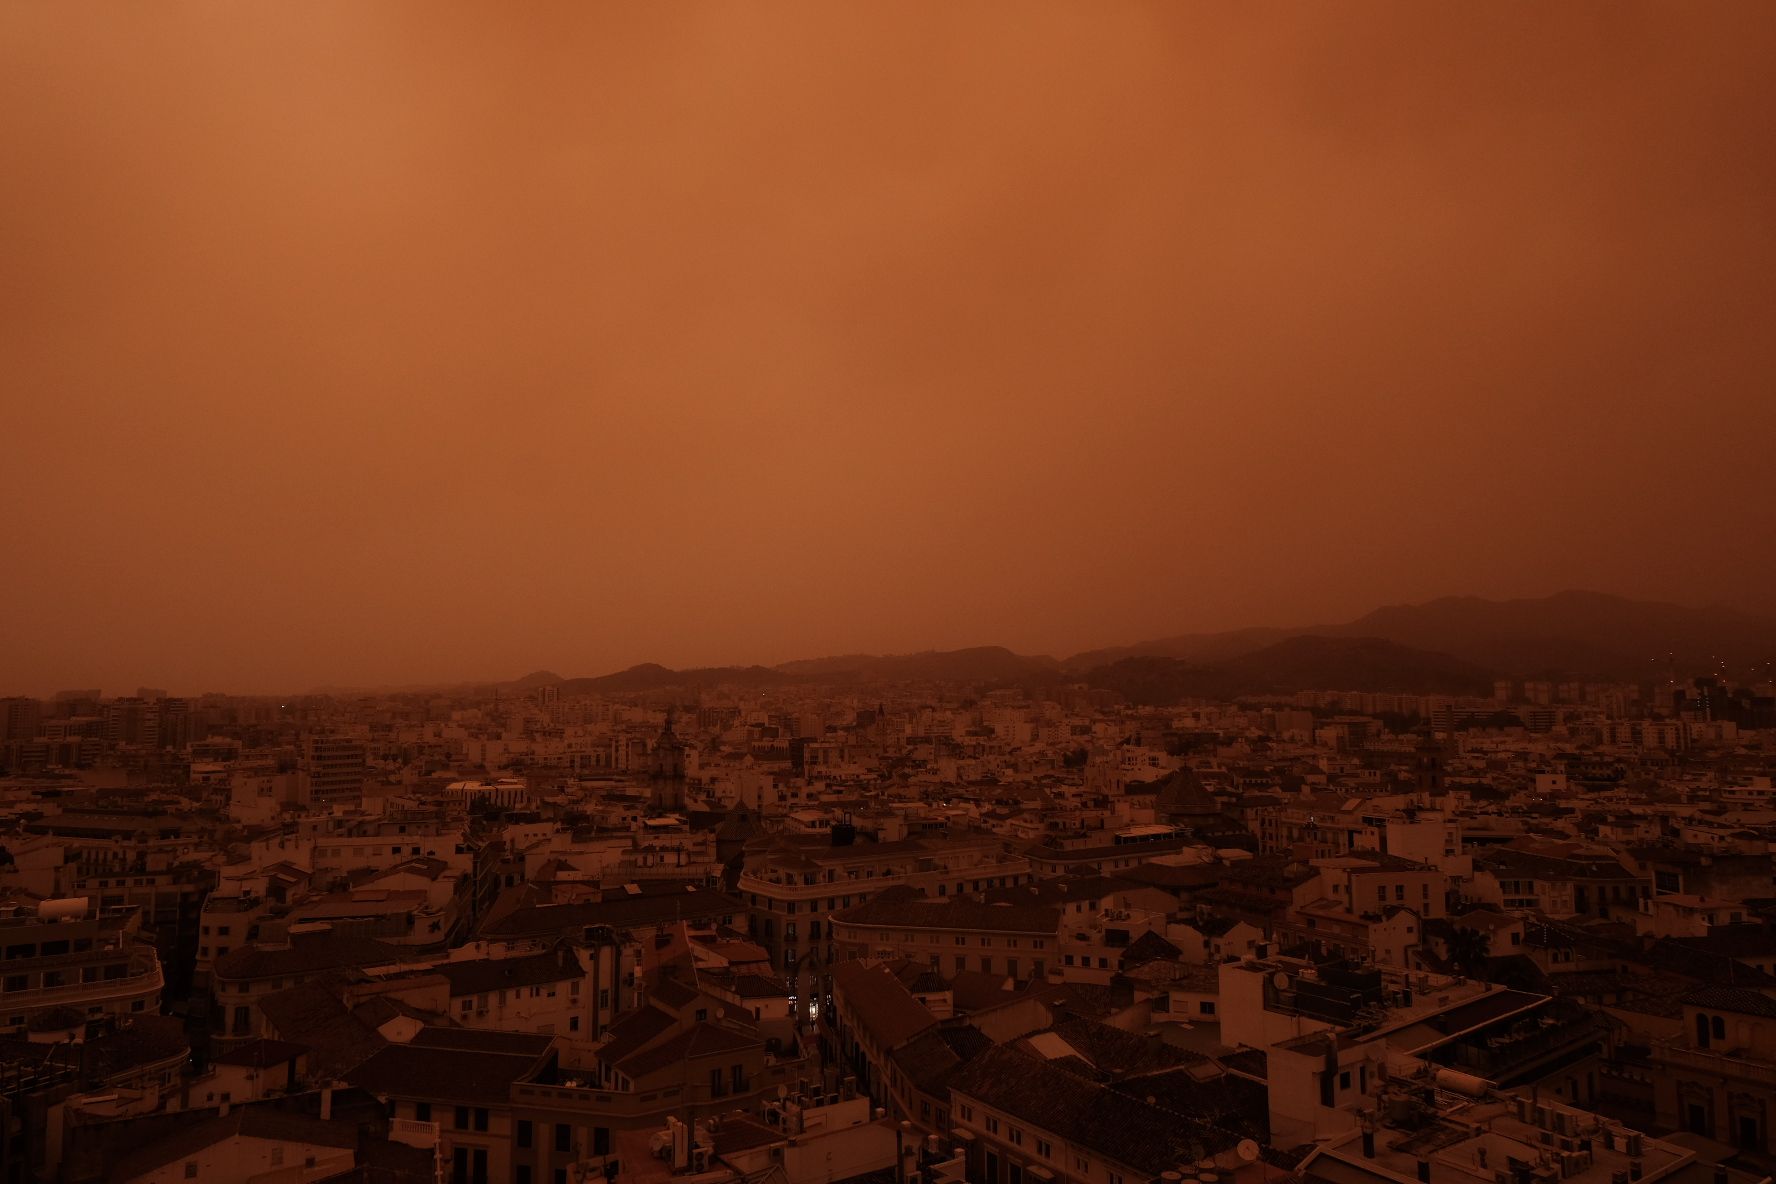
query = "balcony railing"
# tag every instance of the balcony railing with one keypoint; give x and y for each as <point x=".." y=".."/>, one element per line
<point x="413" y="1132"/>
<point x="1720" y="1064"/>
<point x="842" y="885"/>
<point x="670" y="1099"/>
<point x="88" y="994"/>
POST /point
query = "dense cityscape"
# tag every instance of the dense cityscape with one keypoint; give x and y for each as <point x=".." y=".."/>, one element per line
<point x="887" y="593"/>
<point x="728" y="926"/>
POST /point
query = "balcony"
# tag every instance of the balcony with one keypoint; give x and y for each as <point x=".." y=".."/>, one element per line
<point x="413" y="1132"/>
<point x="1724" y="1065"/>
<point x="83" y="995"/>
<point x="672" y="1099"/>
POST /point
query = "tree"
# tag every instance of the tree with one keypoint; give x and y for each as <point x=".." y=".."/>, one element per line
<point x="1468" y="950"/>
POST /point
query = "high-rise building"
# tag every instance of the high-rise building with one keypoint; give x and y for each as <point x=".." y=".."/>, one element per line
<point x="333" y="768"/>
<point x="20" y="718"/>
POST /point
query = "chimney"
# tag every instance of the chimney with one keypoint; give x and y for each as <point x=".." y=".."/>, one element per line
<point x="1720" y="1173"/>
<point x="1368" y="1144"/>
<point x="1424" y="1171"/>
<point x="326" y="1103"/>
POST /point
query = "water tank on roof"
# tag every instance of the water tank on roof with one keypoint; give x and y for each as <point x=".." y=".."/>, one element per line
<point x="69" y="908"/>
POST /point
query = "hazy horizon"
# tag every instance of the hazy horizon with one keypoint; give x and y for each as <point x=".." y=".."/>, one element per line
<point x="395" y="345"/>
<point x="127" y="686"/>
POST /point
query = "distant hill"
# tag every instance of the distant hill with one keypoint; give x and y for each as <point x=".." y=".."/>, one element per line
<point x="650" y="676"/>
<point x="988" y="663"/>
<point x="1454" y="645"/>
<point x="1192" y="647"/>
<point x="1586" y="634"/>
<point x="981" y="664"/>
<point x="1578" y="632"/>
<point x="1293" y="664"/>
<point x="1357" y="664"/>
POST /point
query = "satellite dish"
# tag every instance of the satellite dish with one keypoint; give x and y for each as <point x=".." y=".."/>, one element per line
<point x="1280" y="980"/>
<point x="1247" y="1150"/>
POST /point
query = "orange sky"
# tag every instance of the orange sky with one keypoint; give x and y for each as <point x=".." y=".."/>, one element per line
<point x="368" y="343"/>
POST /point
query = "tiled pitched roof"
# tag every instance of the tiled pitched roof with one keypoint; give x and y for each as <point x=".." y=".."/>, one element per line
<point x="1114" y="1053"/>
<point x="427" y="1071"/>
<point x="951" y="912"/>
<point x="482" y="975"/>
<point x="1125" y="1130"/>
<point x="314" y="1015"/>
<point x="633" y="1031"/>
<point x="306" y="953"/>
<point x="1739" y="1000"/>
<point x="619" y="912"/>
<point x="931" y="1059"/>
<point x="209" y="1128"/>
<point x="697" y="1041"/>
<point x="881" y="1002"/>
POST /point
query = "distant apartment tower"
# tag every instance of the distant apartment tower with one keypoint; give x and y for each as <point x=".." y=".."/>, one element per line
<point x="333" y="768"/>
<point x="19" y="719"/>
<point x="132" y="721"/>
<point x="175" y="723"/>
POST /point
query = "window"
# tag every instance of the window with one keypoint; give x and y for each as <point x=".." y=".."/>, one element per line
<point x="563" y="1137"/>
<point x="1206" y="1007"/>
<point x="1017" y="1136"/>
<point x="526" y="1132"/>
<point x="461" y="1118"/>
<point x="992" y="1126"/>
<point x="422" y="1111"/>
<point x="191" y="1169"/>
<point x="1045" y="1149"/>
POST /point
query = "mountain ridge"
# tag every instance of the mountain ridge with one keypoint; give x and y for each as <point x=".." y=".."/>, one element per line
<point x="1446" y="642"/>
